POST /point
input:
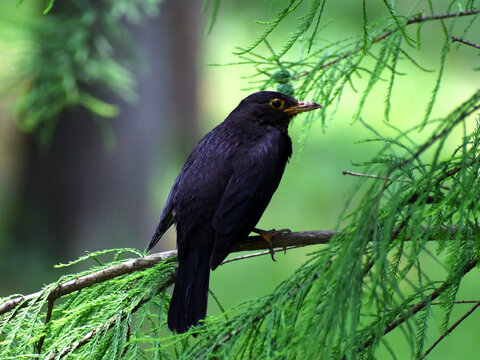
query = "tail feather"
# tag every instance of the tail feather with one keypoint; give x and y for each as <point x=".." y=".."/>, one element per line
<point x="189" y="300"/>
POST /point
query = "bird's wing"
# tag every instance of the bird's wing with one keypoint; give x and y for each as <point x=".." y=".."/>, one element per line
<point x="255" y="178"/>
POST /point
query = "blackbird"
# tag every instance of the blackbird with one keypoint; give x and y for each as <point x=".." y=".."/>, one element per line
<point x="221" y="193"/>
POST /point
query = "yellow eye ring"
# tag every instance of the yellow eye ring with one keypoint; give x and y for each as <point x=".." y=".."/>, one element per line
<point x="276" y="103"/>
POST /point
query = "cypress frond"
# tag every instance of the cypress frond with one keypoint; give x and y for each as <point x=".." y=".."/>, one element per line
<point x="213" y="13"/>
<point x="292" y="6"/>
<point x="446" y="46"/>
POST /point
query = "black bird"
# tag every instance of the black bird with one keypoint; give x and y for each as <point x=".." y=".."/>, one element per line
<point x="221" y="193"/>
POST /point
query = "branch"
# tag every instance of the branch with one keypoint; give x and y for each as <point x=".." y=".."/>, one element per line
<point x="458" y="302"/>
<point x="253" y="243"/>
<point x="303" y="238"/>
<point x="48" y="317"/>
<point x="281" y="242"/>
<point x="284" y="240"/>
<point x="82" y="282"/>
<point x="347" y="172"/>
<point x="413" y="20"/>
<point x="466" y="42"/>
<point x="418" y="19"/>
<point x="450" y="329"/>
<point x="261" y="253"/>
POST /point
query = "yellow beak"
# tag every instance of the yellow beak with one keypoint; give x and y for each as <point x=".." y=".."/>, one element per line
<point x="302" y="106"/>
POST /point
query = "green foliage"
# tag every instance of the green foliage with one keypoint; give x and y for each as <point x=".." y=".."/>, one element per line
<point x="102" y="321"/>
<point x="82" y="52"/>
<point x="213" y="15"/>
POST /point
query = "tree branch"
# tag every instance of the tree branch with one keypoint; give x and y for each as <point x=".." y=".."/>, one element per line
<point x="82" y="282"/>
<point x="303" y="238"/>
<point x="281" y="242"/>
<point x="466" y="42"/>
<point x="413" y="20"/>
<point x="458" y="302"/>
<point x="253" y="243"/>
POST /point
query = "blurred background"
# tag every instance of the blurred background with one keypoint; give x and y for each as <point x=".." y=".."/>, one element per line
<point x="90" y="183"/>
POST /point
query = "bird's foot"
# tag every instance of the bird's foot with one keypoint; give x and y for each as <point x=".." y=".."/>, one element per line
<point x="268" y="235"/>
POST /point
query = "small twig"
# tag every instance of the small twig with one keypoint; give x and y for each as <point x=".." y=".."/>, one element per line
<point x="127" y="339"/>
<point x="48" y="316"/>
<point x="88" y="336"/>
<point x="273" y="52"/>
<point x="458" y="302"/>
<point x="261" y="253"/>
<point x="217" y="301"/>
<point x="347" y="172"/>
<point x="466" y="42"/>
<point x="450" y="329"/>
<point x="232" y="334"/>
<point x="418" y="19"/>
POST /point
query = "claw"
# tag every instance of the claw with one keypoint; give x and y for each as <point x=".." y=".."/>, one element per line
<point x="268" y="235"/>
<point x="268" y="239"/>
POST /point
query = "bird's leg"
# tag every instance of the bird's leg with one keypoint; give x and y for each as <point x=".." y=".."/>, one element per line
<point x="268" y="235"/>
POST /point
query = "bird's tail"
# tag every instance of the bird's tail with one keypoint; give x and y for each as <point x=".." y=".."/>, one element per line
<point x="189" y="300"/>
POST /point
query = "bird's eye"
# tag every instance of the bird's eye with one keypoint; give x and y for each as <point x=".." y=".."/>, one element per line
<point x="276" y="103"/>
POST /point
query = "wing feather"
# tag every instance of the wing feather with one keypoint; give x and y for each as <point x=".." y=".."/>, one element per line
<point x="255" y="178"/>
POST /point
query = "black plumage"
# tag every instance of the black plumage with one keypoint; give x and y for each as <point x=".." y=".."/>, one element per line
<point x="221" y="193"/>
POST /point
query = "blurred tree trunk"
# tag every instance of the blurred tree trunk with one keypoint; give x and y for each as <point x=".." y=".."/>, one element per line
<point x="80" y="195"/>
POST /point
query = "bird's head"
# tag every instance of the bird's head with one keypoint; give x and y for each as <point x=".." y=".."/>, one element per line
<point x="270" y="107"/>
